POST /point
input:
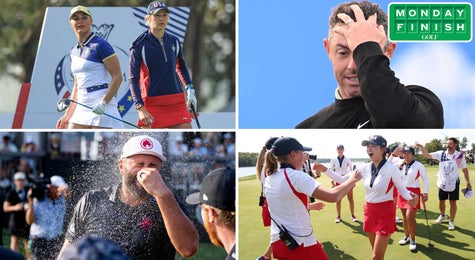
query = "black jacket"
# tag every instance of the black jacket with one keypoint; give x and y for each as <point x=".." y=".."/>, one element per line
<point x="384" y="101"/>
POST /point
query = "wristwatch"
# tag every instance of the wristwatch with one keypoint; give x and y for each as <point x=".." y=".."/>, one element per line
<point x="139" y="107"/>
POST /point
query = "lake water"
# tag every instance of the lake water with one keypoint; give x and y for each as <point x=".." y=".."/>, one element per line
<point x="246" y="171"/>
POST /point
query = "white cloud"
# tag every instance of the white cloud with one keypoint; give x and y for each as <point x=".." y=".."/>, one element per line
<point x="445" y="69"/>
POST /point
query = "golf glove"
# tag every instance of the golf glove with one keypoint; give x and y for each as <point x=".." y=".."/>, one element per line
<point x="190" y="97"/>
<point x="100" y="108"/>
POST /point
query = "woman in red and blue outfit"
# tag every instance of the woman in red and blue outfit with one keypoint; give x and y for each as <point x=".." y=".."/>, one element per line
<point x="158" y="74"/>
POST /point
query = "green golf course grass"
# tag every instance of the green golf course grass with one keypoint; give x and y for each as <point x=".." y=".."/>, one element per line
<point x="346" y="240"/>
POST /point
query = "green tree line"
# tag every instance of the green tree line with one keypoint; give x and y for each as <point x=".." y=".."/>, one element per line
<point x="249" y="159"/>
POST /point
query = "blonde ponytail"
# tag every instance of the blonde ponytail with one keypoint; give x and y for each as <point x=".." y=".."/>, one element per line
<point x="260" y="163"/>
<point x="271" y="164"/>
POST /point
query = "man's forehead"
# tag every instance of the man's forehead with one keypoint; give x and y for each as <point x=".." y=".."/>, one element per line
<point x="337" y="40"/>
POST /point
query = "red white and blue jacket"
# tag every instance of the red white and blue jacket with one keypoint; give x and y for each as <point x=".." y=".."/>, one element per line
<point x="156" y="69"/>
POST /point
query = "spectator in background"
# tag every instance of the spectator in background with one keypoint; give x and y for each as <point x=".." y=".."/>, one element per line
<point x="45" y="214"/>
<point x="180" y="148"/>
<point x="108" y="147"/>
<point x="198" y="149"/>
<point x="229" y="144"/>
<point x="2" y="214"/>
<point x="15" y="204"/>
<point x="8" y="162"/>
<point x="71" y="145"/>
<point x="55" y="146"/>
<point x="28" y="164"/>
<point x="210" y="148"/>
<point x="220" y="163"/>
<point x="88" y="138"/>
<point x="221" y="151"/>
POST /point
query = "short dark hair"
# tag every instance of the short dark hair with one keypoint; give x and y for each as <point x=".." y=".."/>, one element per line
<point x="368" y="10"/>
<point x="454" y="140"/>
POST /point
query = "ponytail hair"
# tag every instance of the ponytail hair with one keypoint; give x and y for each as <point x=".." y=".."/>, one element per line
<point x="271" y="164"/>
<point x="260" y="162"/>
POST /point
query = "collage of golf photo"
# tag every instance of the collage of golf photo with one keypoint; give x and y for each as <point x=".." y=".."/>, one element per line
<point x="237" y="129"/>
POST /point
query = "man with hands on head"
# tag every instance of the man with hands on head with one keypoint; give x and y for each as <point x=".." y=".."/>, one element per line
<point x="368" y="94"/>
<point x="140" y="214"/>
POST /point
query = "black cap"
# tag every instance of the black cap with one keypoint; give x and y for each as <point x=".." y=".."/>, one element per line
<point x="340" y="146"/>
<point x="270" y="142"/>
<point x="394" y="147"/>
<point x="376" y="140"/>
<point x="409" y="149"/>
<point x="285" y="145"/>
<point x="218" y="190"/>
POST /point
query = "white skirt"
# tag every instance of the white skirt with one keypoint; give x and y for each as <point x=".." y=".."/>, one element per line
<point x="85" y="116"/>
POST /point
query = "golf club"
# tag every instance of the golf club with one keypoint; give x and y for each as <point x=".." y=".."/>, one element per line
<point x="196" y="117"/>
<point x="427" y="224"/>
<point x="65" y="102"/>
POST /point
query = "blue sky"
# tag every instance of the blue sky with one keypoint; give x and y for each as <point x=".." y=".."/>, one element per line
<point x="285" y="75"/>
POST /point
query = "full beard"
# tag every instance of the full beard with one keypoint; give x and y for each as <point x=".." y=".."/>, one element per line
<point x="139" y="192"/>
<point x="212" y="234"/>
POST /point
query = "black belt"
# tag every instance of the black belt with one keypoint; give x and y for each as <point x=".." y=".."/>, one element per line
<point x="96" y="88"/>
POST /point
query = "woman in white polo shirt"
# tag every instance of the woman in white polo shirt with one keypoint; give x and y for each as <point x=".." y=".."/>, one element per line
<point x="97" y="77"/>
<point x="413" y="171"/>
<point x="380" y="178"/>
<point x="287" y="189"/>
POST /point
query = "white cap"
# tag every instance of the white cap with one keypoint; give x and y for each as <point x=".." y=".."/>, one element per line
<point x="467" y="193"/>
<point x="142" y="144"/>
<point x="29" y="139"/>
<point x="58" y="181"/>
<point x="19" y="176"/>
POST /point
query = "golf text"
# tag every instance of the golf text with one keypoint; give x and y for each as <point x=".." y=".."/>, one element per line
<point x="430" y="21"/>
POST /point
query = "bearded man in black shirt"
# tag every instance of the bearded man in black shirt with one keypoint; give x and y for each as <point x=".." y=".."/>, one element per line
<point x="141" y="214"/>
